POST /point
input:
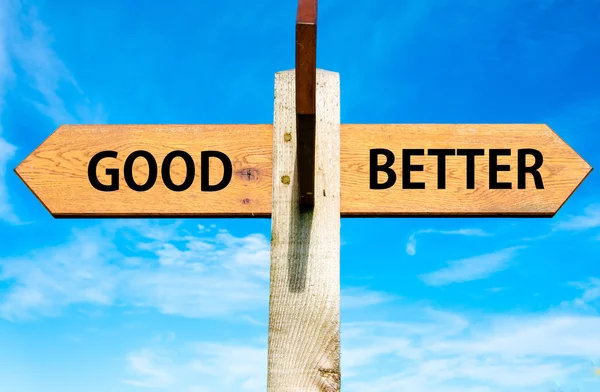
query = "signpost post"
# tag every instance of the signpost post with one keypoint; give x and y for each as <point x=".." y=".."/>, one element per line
<point x="305" y="172"/>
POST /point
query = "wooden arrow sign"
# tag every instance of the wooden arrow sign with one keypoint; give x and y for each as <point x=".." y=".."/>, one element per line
<point x="225" y="170"/>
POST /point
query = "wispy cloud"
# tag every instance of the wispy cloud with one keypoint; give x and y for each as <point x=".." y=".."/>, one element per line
<point x="411" y="245"/>
<point x="6" y="69"/>
<point x="47" y="280"/>
<point x="152" y="369"/>
<point x="245" y="365"/>
<point x="26" y="56"/>
<point x="199" y="366"/>
<point x="198" y="272"/>
<point x="590" y="219"/>
<point x="358" y="297"/>
<point x="193" y="275"/>
<point x="7" y="150"/>
<point x="472" y="268"/>
<point x="56" y="91"/>
<point x="496" y="353"/>
<point x="415" y="349"/>
<point x="589" y="297"/>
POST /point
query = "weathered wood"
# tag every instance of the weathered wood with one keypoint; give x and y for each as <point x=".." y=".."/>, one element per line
<point x="57" y="170"/>
<point x="306" y="73"/>
<point x="305" y="249"/>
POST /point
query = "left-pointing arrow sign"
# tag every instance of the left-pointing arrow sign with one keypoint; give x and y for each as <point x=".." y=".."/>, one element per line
<point x="152" y="170"/>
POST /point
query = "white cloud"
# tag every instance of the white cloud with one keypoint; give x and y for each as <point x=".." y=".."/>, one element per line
<point x="192" y="275"/>
<point x="551" y="335"/>
<point x="152" y="369"/>
<point x="6" y="71"/>
<point x="447" y="352"/>
<point x="590" y="295"/>
<point x="147" y="264"/>
<point x="50" y="279"/>
<point x="591" y="290"/>
<point x="7" y="152"/>
<point x="411" y="246"/>
<point x="414" y="349"/>
<point x="245" y="365"/>
<point x="25" y="43"/>
<point x="200" y="366"/>
<point x="46" y="73"/>
<point x="590" y="219"/>
<point x="472" y="268"/>
<point x="357" y="297"/>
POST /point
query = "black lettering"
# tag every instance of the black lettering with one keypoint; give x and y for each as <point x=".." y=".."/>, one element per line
<point x="152" y="171"/>
<point x="470" y="153"/>
<point x="495" y="168"/>
<point x="189" y="174"/>
<point x="441" y="154"/>
<point x="407" y="168"/>
<point x="112" y="173"/>
<point x="204" y="170"/>
<point x="523" y="169"/>
<point x="375" y="167"/>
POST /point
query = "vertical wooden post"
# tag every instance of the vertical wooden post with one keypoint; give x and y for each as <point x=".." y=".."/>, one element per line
<point x="304" y="308"/>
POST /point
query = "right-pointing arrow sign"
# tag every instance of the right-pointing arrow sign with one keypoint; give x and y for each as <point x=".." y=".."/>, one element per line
<point x="456" y="170"/>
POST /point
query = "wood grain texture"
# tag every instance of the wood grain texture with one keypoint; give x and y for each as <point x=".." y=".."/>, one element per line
<point x="304" y="304"/>
<point x="562" y="171"/>
<point x="57" y="171"/>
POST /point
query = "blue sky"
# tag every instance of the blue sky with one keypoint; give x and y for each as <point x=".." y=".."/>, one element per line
<point x="447" y="305"/>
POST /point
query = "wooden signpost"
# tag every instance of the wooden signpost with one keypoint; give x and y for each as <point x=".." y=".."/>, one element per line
<point x="305" y="172"/>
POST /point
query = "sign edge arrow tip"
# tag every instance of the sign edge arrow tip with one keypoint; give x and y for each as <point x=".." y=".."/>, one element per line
<point x="16" y="170"/>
